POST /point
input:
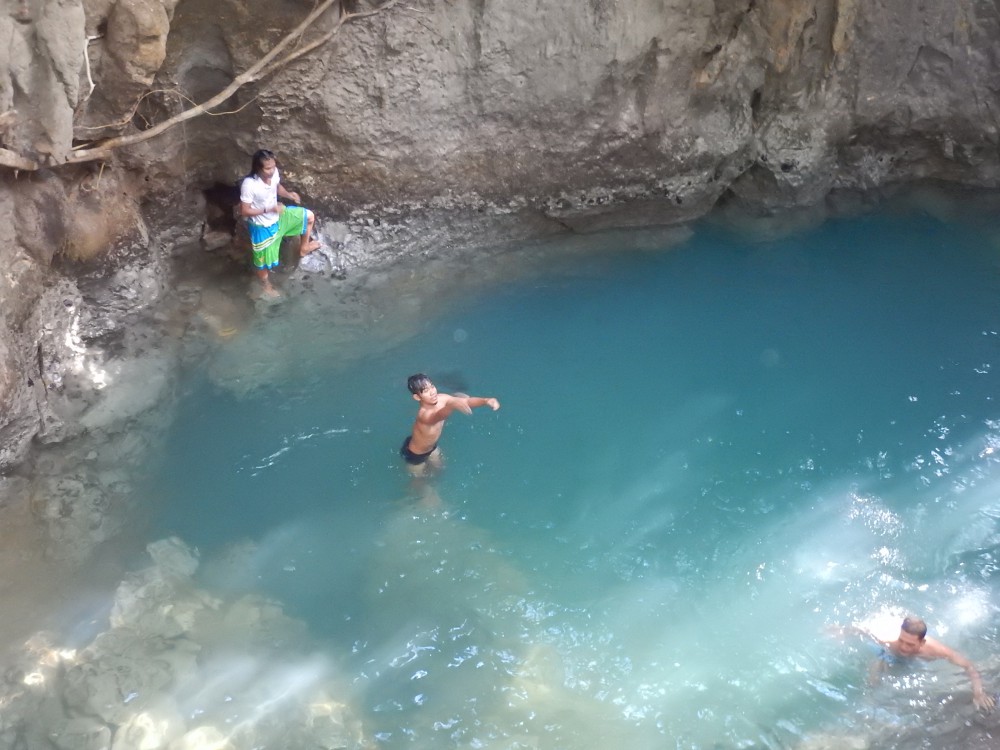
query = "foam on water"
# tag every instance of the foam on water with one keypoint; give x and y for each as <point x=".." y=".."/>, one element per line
<point x="705" y="457"/>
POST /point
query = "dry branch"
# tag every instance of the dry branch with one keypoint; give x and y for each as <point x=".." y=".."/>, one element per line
<point x="344" y="18"/>
<point x="14" y="160"/>
<point x="263" y="67"/>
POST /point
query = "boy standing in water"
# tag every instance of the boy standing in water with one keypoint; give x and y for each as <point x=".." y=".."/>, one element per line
<point x="421" y="447"/>
<point x="268" y="220"/>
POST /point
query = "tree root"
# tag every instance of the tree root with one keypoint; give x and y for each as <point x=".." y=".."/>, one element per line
<point x="265" y="66"/>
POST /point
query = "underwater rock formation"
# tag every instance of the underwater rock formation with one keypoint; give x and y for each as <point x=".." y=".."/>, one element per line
<point x="178" y="668"/>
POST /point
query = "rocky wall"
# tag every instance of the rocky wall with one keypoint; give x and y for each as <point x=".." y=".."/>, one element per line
<point x="677" y="102"/>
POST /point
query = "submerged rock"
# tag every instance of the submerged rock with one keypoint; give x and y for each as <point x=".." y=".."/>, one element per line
<point x="174" y="669"/>
<point x="154" y="729"/>
<point x="81" y="733"/>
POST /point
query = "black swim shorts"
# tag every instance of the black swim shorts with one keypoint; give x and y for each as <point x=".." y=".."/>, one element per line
<point x="415" y="458"/>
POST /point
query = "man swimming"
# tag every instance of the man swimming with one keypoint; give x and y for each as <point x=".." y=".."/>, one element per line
<point x="913" y="642"/>
<point x="421" y="447"/>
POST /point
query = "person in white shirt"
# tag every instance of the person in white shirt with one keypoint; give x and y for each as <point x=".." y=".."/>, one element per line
<point x="270" y="221"/>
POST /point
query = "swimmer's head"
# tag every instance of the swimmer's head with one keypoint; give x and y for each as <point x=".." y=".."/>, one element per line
<point x="914" y="626"/>
<point x="418" y="383"/>
<point x="911" y="636"/>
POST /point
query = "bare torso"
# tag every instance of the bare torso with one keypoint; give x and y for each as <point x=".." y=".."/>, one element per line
<point x="426" y="432"/>
<point x="434" y="409"/>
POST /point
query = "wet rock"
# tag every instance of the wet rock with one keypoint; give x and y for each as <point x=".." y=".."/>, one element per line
<point x="82" y="733"/>
<point x="74" y="511"/>
<point x="838" y="741"/>
<point x="32" y="367"/>
<point x="173" y="558"/>
<point x="129" y="387"/>
<point x="203" y="737"/>
<point x="15" y="439"/>
<point x="153" y="729"/>
<point x="124" y="672"/>
<point x="117" y="294"/>
<point x="175" y="664"/>
<point x="223" y="314"/>
<point x="149" y="603"/>
<point x="327" y="724"/>
<point x="215" y="239"/>
<point x="325" y="259"/>
<point x="101" y="211"/>
<point x="71" y="356"/>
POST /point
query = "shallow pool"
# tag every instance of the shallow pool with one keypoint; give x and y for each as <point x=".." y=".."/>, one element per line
<point x="706" y="456"/>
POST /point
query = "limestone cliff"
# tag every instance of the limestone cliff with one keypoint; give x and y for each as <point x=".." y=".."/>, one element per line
<point x="566" y="115"/>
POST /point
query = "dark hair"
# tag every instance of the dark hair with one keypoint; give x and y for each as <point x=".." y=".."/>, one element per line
<point x="914" y="626"/>
<point x="417" y="383"/>
<point x="258" y="161"/>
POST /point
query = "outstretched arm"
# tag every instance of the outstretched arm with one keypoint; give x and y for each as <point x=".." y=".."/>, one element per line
<point x="841" y="631"/>
<point x="879" y="664"/>
<point x="466" y="404"/>
<point x="979" y="696"/>
<point x="477" y="401"/>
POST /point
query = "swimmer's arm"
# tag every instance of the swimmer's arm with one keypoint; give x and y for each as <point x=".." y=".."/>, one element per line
<point x="447" y="403"/>
<point x="466" y="404"/>
<point x="879" y="665"/>
<point x="477" y="401"/>
<point x="875" y="671"/>
<point x="844" y="630"/>
<point x="979" y="696"/>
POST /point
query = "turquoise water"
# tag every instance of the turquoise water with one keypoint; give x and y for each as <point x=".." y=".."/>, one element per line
<point x="706" y="456"/>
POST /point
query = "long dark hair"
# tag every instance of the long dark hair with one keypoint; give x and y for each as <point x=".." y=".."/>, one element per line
<point x="258" y="161"/>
